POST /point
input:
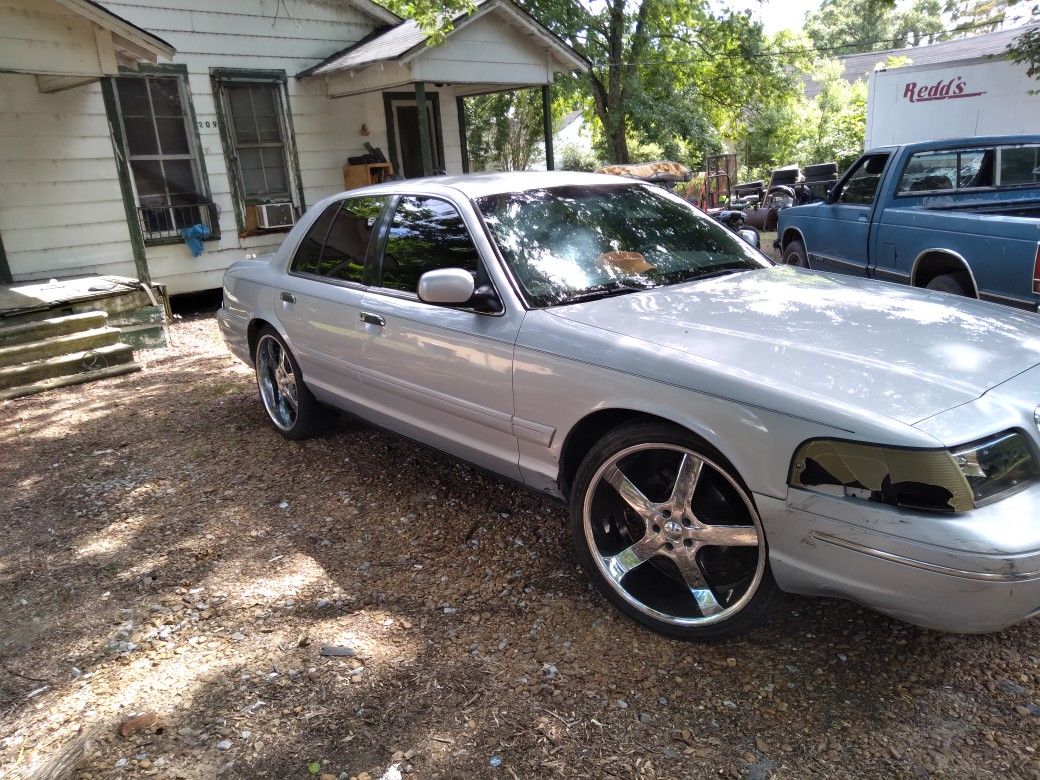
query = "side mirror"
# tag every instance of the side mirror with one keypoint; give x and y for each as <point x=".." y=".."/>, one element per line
<point x="832" y="195"/>
<point x="452" y="286"/>
<point x="751" y="236"/>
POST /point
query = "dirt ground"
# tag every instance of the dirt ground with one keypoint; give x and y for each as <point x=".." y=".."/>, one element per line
<point x="166" y="552"/>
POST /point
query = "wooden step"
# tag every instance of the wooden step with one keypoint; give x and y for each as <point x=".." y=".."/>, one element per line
<point x="65" y="381"/>
<point x="39" y="330"/>
<point x="58" y="345"/>
<point x="64" y="365"/>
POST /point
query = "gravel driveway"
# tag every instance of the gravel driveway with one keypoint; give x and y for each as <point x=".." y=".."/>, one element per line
<point x="360" y="605"/>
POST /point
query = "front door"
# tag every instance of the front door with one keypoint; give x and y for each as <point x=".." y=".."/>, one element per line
<point x="841" y="242"/>
<point x="440" y="374"/>
<point x="405" y="117"/>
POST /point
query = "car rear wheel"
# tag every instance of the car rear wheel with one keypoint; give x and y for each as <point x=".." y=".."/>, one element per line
<point x="795" y="254"/>
<point x="293" y="409"/>
<point x="950" y="283"/>
<point x="670" y="536"/>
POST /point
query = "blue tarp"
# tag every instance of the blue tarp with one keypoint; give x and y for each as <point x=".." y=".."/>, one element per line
<point x="193" y="237"/>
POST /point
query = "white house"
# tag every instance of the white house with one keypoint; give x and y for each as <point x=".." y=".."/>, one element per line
<point x="124" y="122"/>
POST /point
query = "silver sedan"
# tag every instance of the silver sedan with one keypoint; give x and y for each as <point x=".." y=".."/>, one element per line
<point x="722" y="429"/>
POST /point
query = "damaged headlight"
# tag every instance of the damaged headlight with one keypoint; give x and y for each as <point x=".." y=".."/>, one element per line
<point x="996" y="465"/>
<point x="932" y="480"/>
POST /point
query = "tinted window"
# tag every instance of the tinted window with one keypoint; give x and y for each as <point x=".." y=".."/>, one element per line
<point x="947" y="170"/>
<point x="308" y="255"/>
<point x="347" y="242"/>
<point x="426" y="233"/>
<point x="860" y="188"/>
<point x="566" y="244"/>
<point x="1020" y="165"/>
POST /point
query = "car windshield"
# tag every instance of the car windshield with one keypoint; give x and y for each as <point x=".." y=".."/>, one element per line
<point x="575" y="243"/>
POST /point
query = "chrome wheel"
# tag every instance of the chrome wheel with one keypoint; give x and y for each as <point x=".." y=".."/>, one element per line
<point x="674" y="535"/>
<point x="277" y="381"/>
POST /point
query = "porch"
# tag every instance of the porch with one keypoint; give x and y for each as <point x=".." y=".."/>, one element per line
<point x="499" y="47"/>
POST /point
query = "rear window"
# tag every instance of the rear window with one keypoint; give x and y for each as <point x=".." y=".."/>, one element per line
<point x="1019" y="165"/>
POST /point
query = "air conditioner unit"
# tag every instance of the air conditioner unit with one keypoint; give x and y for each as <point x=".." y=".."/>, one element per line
<point x="275" y="215"/>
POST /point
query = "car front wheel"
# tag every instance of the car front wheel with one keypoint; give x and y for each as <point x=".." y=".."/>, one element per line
<point x="670" y="536"/>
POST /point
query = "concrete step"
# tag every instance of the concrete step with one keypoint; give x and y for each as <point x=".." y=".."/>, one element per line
<point x="65" y="381"/>
<point x="58" y="345"/>
<point x="84" y="361"/>
<point x="39" y="330"/>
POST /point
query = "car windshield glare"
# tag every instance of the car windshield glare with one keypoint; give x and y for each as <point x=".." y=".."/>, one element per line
<point x="574" y="243"/>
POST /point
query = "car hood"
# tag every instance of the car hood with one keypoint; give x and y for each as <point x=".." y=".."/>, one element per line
<point x="887" y="349"/>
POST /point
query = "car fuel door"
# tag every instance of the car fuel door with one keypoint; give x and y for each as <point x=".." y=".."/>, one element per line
<point x="438" y="373"/>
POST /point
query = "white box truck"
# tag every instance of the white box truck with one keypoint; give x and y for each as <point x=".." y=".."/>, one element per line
<point x="951" y="100"/>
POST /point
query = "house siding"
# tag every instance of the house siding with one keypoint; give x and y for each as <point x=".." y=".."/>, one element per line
<point x="61" y="207"/>
<point x="61" y="211"/>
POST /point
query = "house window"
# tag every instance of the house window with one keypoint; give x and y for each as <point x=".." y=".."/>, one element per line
<point x="257" y="134"/>
<point x="162" y="155"/>
<point x="257" y="142"/>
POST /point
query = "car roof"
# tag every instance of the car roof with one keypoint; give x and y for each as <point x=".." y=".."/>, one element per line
<point x="477" y="185"/>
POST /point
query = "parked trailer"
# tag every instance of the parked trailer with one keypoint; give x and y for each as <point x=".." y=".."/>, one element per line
<point x="954" y="100"/>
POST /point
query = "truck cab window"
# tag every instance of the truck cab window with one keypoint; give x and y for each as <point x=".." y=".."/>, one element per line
<point x="947" y="169"/>
<point x="1019" y="165"/>
<point x="859" y="189"/>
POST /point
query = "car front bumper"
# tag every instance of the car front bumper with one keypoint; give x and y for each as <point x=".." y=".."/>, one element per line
<point x="968" y="573"/>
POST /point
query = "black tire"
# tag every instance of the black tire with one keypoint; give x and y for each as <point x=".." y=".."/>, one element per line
<point x="741" y="591"/>
<point x="309" y="416"/>
<point x="956" y="284"/>
<point x="795" y="254"/>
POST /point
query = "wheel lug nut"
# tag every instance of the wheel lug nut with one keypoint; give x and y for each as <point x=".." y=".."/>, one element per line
<point x="688" y="542"/>
<point x="668" y="545"/>
<point x="657" y="529"/>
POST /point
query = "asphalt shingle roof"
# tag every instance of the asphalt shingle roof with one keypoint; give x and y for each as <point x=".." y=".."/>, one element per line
<point x="857" y="66"/>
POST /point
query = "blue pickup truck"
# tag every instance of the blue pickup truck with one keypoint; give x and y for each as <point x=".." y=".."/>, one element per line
<point x="960" y="216"/>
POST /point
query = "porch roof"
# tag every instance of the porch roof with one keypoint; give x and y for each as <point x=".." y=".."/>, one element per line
<point x="132" y="43"/>
<point x="84" y="41"/>
<point x="488" y="37"/>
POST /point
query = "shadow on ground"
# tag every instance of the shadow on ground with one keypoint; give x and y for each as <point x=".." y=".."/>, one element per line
<point x="165" y="550"/>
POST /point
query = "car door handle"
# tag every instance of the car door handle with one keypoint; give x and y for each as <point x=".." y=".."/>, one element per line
<point x="288" y="297"/>
<point x="372" y="319"/>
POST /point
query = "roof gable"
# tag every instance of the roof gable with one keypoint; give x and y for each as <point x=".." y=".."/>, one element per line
<point x="406" y="41"/>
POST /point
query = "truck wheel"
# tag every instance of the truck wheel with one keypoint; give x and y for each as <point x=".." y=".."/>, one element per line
<point x="949" y="283"/>
<point x="795" y="254"/>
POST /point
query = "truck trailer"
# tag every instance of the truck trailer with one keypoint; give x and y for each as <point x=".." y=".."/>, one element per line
<point x="973" y="97"/>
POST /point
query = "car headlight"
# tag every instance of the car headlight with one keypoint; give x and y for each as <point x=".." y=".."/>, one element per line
<point x="909" y="478"/>
<point x="996" y="465"/>
<point x="932" y="480"/>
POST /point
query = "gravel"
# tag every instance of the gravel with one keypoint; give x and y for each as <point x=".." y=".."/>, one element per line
<point x="163" y="542"/>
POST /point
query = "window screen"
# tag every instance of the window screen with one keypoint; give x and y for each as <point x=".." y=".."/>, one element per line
<point x="258" y="136"/>
<point x="308" y="256"/>
<point x="426" y="233"/>
<point x="162" y="156"/>
<point x="347" y="243"/>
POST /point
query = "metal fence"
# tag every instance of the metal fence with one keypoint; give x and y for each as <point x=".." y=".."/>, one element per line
<point x="163" y="222"/>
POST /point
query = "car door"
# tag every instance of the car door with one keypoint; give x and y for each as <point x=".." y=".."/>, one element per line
<point x="841" y="240"/>
<point x="321" y="303"/>
<point x="441" y="374"/>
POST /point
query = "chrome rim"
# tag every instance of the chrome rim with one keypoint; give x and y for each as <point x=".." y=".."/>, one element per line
<point x="277" y="381"/>
<point x="674" y="534"/>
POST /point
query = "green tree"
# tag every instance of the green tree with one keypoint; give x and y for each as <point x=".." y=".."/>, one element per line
<point x="504" y="131"/>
